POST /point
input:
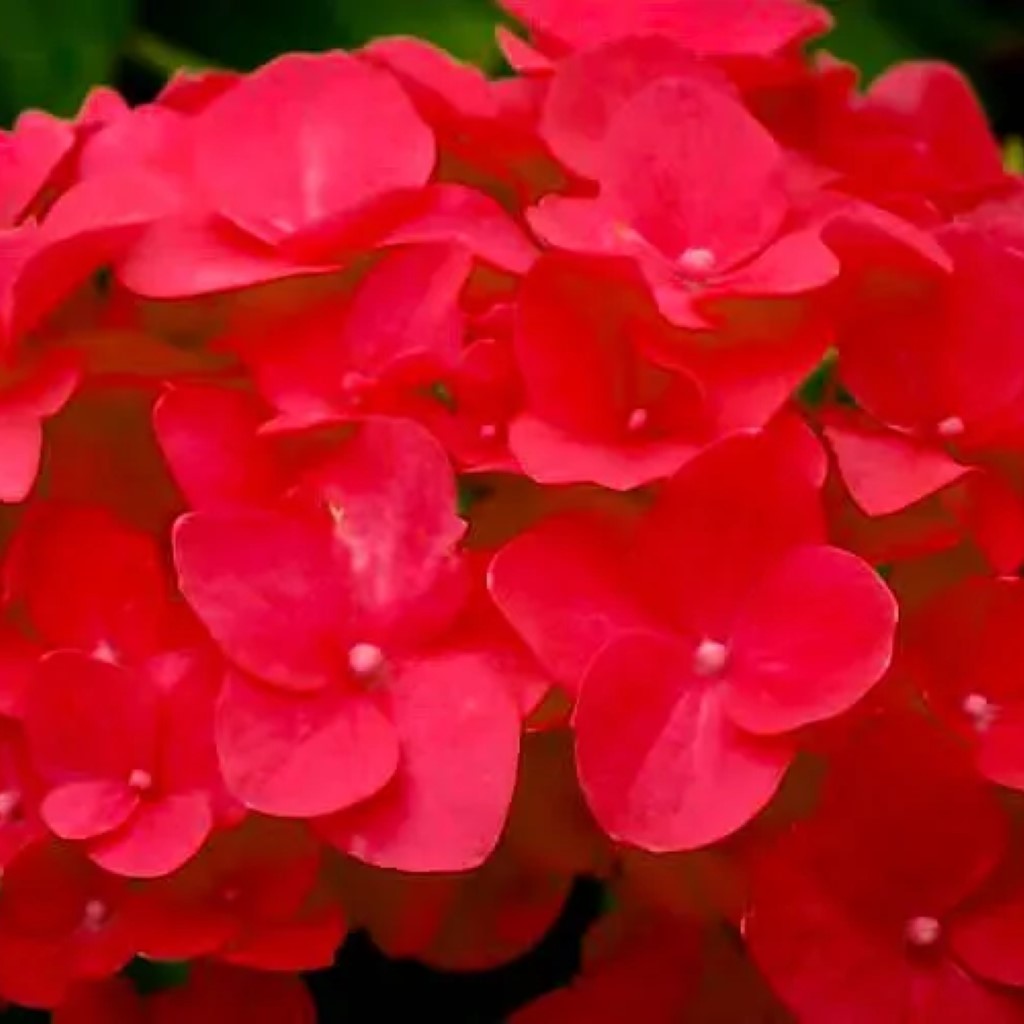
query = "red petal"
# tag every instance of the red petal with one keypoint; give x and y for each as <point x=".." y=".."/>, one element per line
<point x="719" y="27"/>
<point x="199" y="254"/>
<point x="268" y="590"/>
<point x="661" y="764"/>
<point x="21" y="441"/>
<point x="589" y="88"/>
<point x="208" y="436"/>
<point x="722" y="522"/>
<point x="91" y="583"/>
<point x="811" y="640"/>
<point x="298" y="756"/>
<point x="447" y="214"/>
<point x="458" y="727"/>
<point x="89" y="720"/>
<point x="397" y="559"/>
<point x="886" y="471"/>
<point x="307" y="137"/>
<point x="551" y="455"/>
<point x="163" y="834"/>
<point x="689" y="168"/>
<point x="564" y="592"/>
<point x="84" y="810"/>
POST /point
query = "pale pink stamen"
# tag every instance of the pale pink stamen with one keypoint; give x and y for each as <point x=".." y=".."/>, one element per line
<point x="365" y="659"/>
<point x="980" y="710"/>
<point x="488" y="432"/>
<point x="140" y="780"/>
<point x="950" y="427"/>
<point x="697" y="260"/>
<point x="638" y="419"/>
<point x="95" y="914"/>
<point x="923" y="932"/>
<point x="710" y="658"/>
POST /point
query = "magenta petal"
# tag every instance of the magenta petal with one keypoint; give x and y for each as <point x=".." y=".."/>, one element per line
<point x="83" y="810"/>
<point x="298" y="756"/>
<point x="444" y="810"/>
<point x="810" y="641"/>
<point x="660" y="762"/>
<point x="164" y="833"/>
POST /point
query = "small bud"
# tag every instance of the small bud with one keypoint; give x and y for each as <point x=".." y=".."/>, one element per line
<point x="709" y="658"/>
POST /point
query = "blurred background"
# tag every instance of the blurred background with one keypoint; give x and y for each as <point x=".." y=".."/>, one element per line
<point x="51" y="51"/>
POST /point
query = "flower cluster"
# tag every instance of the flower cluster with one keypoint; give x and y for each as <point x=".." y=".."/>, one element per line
<point x="421" y="490"/>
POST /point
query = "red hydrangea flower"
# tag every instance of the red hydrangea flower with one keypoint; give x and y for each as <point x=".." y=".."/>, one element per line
<point x="692" y="189"/>
<point x="868" y="905"/>
<point x="61" y="921"/>
<point x="695" y="646"/>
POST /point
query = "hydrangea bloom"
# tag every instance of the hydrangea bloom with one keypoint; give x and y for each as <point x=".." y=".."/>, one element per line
<point x="421" y="490"/>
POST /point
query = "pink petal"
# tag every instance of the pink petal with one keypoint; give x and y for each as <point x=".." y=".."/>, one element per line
<point x="269" y="592"/>
<point x="590" y="87"/>
<point x="810" y="641"/>
<point x="84" y="810"/>
<point x="718" y="27"/>
<point x="407" y="306"/>
<point x="400" y="562"/>
<point x="565" y="593"/>
<point x="298" y="756"/>
<point x="551" y="455"/>
<point x="199" y="254"/>
<point x="89" y="719"/>
<point x="661" y="764"/>
<point x="722" y="522"/>
<point x="21" y="441"/>
<point x="886" y="471"/>
<point x="307" y="137"/>
<point x="444" y="810"/>
<point x="690" y="169"/>
<point x="453" y="214"/>
<point x="208" y="436"/>
<point x="164" y="833"/>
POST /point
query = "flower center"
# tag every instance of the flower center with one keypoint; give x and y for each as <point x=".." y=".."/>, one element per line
<point x="697" y="261"/>
<point x="923" y="932"/>
<point x="365" y="660"/>
<point x="95" y="914"/>
<point x="950" y="427"/>
<point x="980" y="710"/>
<point x="637" y="420"/>
<point x="140" y="780"/>
<point x="488" y="431"/>
<point x="710" y="657"/>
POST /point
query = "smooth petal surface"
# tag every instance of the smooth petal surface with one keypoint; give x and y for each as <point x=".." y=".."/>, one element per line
<point x="811" y="640"/>
<point x="689" y="169"/>
<point x="268" y="590"/>
<point x="163" y="834"/>
<point x="307" y="137"/>
<point x="84" y="810"/>
<point x="562" y="590"/>
<point x="298" y="756"/>
<point x="458" y="726"/>
<point x="661" y="765"/>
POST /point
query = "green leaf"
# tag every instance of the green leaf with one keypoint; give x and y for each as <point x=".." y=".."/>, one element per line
<point x="464" y="27"/>
<point x="867" y="37"/>
<point x="54" y="50"/>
